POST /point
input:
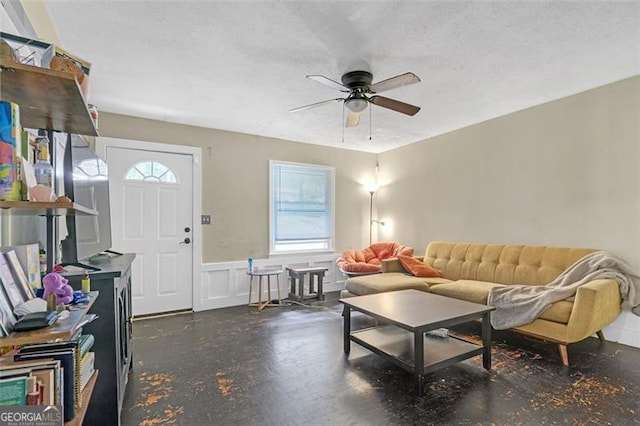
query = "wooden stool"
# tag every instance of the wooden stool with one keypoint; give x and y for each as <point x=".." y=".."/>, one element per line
<point x="264" y="272"/>
<point x="296" y="276"/>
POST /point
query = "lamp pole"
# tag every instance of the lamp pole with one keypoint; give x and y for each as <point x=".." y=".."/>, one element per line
<point x="371" y="217"/>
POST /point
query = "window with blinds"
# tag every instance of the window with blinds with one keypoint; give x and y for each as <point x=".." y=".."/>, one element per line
<point x="301" y="207"/>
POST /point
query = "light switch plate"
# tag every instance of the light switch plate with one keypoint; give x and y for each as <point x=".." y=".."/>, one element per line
<point x="205" y="219"/>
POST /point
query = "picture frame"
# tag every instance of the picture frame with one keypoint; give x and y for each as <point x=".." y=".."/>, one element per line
<point x="7" y="318"/>
<point x="19" y="275"/>
<point x="13" y="291"/>
<point x="29" y="258"/>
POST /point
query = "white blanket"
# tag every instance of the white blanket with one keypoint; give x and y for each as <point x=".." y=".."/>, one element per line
<point x="521" y="304"/>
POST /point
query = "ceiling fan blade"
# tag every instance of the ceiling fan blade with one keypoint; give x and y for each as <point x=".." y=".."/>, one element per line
<point x="394" y="105"/>
<point x="353" y="119"/>
<point x="328" y="82"/>
<point x="317" y="104"/>
<point x="394" y="82"/>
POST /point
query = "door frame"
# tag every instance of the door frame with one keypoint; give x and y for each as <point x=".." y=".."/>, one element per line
<point x="102" y="143"/>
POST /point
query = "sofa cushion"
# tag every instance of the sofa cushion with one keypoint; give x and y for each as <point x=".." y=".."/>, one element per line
<point x="558" y="312"/>
<point x="360" y="267"/>
<point x="418" y="268"/>
<point x="469" y="290"/>
<point x="477" y="292"/>
<point x="392" y="281"/>
<point x="503" y="264"/>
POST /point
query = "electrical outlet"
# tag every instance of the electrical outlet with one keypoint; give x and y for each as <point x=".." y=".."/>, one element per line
<point x="205" y="219"/>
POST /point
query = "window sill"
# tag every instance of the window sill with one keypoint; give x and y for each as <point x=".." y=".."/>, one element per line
<point x="301" y="253"/>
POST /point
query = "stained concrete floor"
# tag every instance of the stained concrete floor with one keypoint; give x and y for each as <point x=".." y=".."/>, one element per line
<point x="286" y="366"/>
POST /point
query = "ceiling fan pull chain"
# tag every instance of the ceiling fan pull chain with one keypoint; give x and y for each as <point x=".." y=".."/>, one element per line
<point x="342" y="124"/>
<point x="370" y="121"/>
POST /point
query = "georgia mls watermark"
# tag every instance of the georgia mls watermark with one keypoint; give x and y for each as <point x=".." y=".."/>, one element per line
<point x="30" y="415"/>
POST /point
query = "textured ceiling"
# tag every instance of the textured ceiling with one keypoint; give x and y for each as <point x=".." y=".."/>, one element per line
<point x="240" y="66"/>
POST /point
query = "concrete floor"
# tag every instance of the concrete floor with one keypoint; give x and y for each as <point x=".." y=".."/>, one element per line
<point x="286" y="366"/>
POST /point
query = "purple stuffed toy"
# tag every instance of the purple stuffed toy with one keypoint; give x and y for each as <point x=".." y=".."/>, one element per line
<point x="55" y="283"/>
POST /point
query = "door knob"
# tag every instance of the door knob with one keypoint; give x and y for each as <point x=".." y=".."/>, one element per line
<point x="187" y="240"/>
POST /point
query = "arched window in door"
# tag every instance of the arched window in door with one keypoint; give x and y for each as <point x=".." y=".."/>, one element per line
<point x="151" y="171"/>
<point x="91" y="169"/>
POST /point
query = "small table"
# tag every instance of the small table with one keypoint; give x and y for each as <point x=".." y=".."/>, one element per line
<point x="264" y="272"/>
<point x="405" y="316"/>
<point x="296" y="276"/>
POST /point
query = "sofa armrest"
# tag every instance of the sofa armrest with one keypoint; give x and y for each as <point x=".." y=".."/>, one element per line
<point x="394" y="265"/>
<point x="596" y="305"/>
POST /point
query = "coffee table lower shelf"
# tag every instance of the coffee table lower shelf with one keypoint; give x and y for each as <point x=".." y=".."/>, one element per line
<point x="396" y="345"/>
<point x="405" y="316"/>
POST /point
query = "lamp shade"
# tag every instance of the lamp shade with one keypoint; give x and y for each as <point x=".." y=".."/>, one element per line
<point x="371" y="187"/>
<point x="356" y="104"/>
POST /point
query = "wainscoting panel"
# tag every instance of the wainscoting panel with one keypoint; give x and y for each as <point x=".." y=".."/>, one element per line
<point x="216" y="292"/>
<point x="226" y="284"/>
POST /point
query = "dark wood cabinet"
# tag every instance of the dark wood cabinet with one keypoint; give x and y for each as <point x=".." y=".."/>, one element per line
<point x="112" y="332"/>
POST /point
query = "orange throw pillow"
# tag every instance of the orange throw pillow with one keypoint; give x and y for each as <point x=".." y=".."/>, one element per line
<point x="418" y="268"/>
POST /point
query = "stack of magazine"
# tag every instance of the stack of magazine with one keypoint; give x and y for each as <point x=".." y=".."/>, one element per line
<point x="48" y="374"/>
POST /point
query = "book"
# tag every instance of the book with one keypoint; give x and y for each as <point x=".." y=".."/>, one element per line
<point x="86" y="343"/>
<point x="12" y="289"/>
<point x="7" y="318"/>
<point x="13" y="391"/>
<point x="19" y="275"/>
<point x="8" y="362"/>
<point x="87" y="367"/>
<point x="46" y="370"/>
<point x="46" y="381"/>
<point x="67" y="361"/>
<point x="77" y="343"/>
<point x="29" y="258"/>
<point x="14" y="372"/>
<point x="34" y="391"/>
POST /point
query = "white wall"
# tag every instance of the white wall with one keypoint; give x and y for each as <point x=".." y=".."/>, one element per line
<point x="235" y="183"/>
<point x="235" y="192"/>
<point x="566" y="173"/>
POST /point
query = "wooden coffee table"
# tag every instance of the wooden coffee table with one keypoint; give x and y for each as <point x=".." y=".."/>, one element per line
<point x="405" y="316"/>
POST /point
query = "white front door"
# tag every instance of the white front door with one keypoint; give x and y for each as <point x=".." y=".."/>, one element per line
<point x="151" y="209"/>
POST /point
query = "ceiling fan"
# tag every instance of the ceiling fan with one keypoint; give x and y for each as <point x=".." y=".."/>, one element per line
<point x="358" y="86"/>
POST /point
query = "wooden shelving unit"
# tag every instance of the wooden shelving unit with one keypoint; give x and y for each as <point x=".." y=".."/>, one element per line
<point x="48" y="99"/>
<point x="52" y="101"/>
<point x="86" y="397"/>
<point x="36" y="208"/>
<point x="60" y="330"/>
<point x="48" y="209"/>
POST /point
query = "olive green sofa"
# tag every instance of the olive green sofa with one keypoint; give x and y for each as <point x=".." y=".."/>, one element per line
<point x="470" y="270"/>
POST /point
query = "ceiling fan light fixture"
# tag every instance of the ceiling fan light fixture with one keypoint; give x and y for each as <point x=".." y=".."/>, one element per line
<point x="356" y="105"/>
<point x="358" y="86"/>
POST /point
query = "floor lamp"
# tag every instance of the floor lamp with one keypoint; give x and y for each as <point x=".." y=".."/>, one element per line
<point x="372" y="190"/>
